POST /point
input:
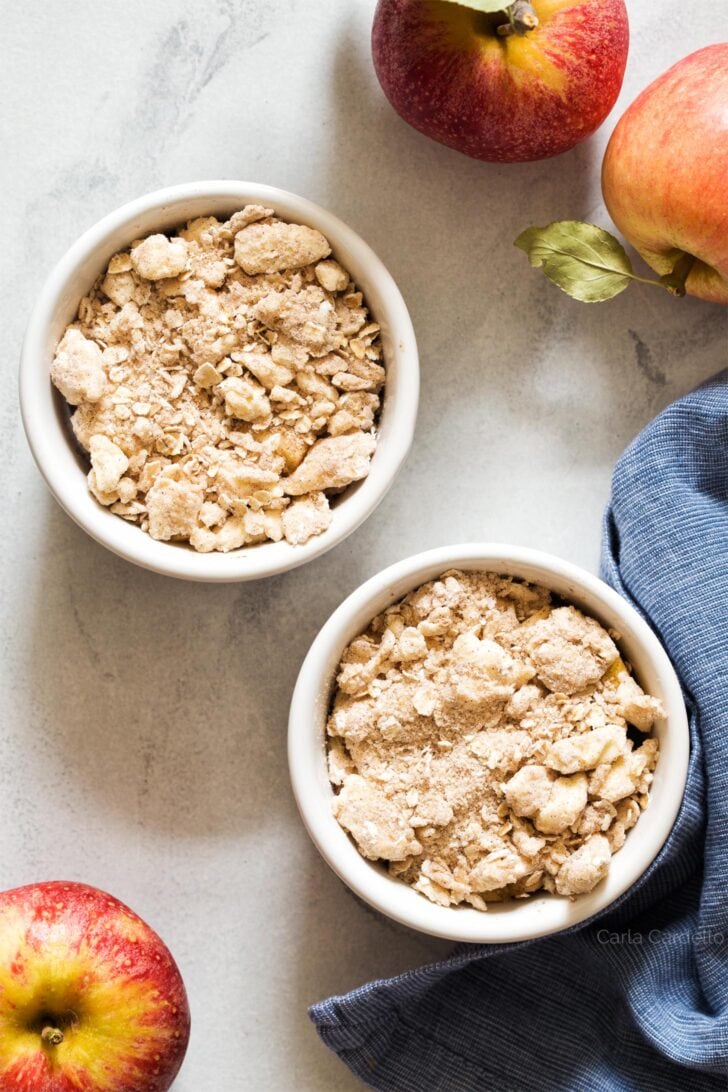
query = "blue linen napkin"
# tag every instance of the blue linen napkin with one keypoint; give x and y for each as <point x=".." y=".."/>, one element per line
<point x="578" y="1011"/>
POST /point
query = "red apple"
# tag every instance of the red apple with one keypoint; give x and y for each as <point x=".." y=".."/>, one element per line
<point x="90" y="998"/>
<point x="665" y="173"/>
<point x="450" y="72"/>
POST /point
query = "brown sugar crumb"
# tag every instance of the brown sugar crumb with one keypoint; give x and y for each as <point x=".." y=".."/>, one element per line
<point x="479" y="745"/>
<point x="227" y="381"/>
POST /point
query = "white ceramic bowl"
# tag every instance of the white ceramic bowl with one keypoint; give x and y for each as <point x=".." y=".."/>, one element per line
<point x="45" y="414"/>
<point x="516" y="919"/>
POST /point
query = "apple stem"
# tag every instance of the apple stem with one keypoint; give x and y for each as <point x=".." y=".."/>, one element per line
<point x="675" y="281"/>
<point x="522" y="17"/>
<point x="52" y="1036"/>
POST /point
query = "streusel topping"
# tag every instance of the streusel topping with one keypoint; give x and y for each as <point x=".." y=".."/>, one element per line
<point x="480" y="742"/>
<point x="226" y="382"/>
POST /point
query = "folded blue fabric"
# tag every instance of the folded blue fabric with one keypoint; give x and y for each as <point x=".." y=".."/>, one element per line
<point x="573" y="1012"/>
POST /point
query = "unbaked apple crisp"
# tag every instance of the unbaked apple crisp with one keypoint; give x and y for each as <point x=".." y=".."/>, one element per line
<point x="226" y="382"/>
<point x="485" y="742"/>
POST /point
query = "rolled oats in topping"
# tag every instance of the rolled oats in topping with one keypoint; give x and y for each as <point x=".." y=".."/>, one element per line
<point x="227" y="382"/>
<point x="484" y="742"/>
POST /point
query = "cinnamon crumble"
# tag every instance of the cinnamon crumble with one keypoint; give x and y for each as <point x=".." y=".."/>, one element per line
<point x="226" y="382"/>
<point x="484" y="742"/>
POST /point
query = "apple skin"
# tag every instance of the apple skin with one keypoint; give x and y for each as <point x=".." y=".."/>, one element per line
<point x="665" y="172"/>
<point x="449" y="75"/>
<point x="76" y="959"/>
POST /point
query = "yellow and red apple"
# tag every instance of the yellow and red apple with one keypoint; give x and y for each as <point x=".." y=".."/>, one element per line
<point x="467" y="79"/>
<point x="91" y="1000"/>
<point x="665" y="173"/>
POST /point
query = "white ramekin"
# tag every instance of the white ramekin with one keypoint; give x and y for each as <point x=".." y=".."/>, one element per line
<point x="515" y="920"/>
<point x="45" y="414"/>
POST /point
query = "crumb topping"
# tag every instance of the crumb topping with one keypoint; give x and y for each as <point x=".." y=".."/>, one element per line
<point x="226" y="380"/>
<point x="479" y="742"/>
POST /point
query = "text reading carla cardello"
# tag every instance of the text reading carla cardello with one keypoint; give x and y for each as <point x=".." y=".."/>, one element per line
<point x="696" y="938"/>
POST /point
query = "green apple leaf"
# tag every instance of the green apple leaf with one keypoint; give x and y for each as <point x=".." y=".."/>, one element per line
<point x="583" y="260"/>
<point x="482" y="5"/>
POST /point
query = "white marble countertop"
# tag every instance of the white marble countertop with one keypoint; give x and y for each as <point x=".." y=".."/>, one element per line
<point x="142" y="749"/>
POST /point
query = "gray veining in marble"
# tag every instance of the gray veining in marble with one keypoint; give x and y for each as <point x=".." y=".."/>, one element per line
<point x="141" y="747"/>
